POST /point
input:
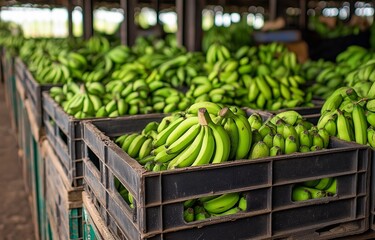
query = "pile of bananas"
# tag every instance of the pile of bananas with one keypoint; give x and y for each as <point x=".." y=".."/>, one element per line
<point x="208" y="133"/>
<point x="79" y="101"/>
<point x="353" y="68"/>
<point x="214" y="206"/>
<point x="341" y="29"/>
<point x="362" y="79"/>
<point x="349" y="117"/>
<point x="246" y="79"/>
<point x="314" y="189"/>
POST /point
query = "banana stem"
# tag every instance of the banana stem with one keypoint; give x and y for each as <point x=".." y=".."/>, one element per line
<point x="204" y="117"/>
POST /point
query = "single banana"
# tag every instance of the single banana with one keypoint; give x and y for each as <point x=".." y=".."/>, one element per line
<point x="300" y="194"/>
<point x="291" y="145"/>
<point x="360" y="124"/>
<point x="208" y="147"/>
<point x="184" y="140"/>
<point x="222" y="203"/>
<point x="136" y="145"/>
<point x="184" y="126"/>
<point x="188" y="156"/>
<point x="222" y="141"/>
<point x="259" y="150"/>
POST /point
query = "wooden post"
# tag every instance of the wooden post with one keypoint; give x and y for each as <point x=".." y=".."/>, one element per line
<point x="128" y="30"/>
<point x="189" y="17"/>
<point x="88" y="29"/>
<point x="303" y="15"/>
<point x="273" y="9"/>
<point x="70" y="18"/>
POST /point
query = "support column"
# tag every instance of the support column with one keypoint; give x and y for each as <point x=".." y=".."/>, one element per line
<point x="303" y="15"/>
<point x="128" y="30"/>
<point x="189" y="18"/>
<point x="273" y="9"/>
<point x="88" y="18"/>
<point x="70" y="8"/>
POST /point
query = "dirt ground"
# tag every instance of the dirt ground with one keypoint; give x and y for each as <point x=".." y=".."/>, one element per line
<point x="15" y="214"/>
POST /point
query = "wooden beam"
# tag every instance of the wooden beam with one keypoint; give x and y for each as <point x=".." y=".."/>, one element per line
<point x="189" y="17"/>
<point x="128" y="29"/>
<point x="88" y="30"/>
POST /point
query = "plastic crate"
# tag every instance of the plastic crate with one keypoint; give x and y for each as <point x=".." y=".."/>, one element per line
<point x="267" y="182"/>
<point x="34" y="93"/>
<point x="63" y="203"/>
<point x="93" y="225"/>
<point x="19" y="70"/>
<point x="64" y="133"/>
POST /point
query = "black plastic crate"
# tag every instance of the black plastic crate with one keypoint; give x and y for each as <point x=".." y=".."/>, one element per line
<point x="268" y="183"/>
<point x="19" y="69"/>
<point x="34" y="92"/>
<point x="63" y="203"/>
<point x="64" y="134"/>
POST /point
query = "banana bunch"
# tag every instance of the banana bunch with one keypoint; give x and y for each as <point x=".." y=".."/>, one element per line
<point x="179" y="70"/>
<point x="98" y="44"/>
<point x="270" y="56"/>
<point x="349" y="117"/>
<point x="314" y="189"/>
<point x="285" y="133"/>
<point x="120" y="55"/>
<point x="80" y="101"/>
<point x="183" y="140"/>
<point x="362" y="79"/>
<point x="167" y="99"/>
<point x="354" y="56"/>
<point x="230" y="93"/>
<point x="214" y="206"/>
<point x="266" y="92"/>
<point x="326" y="77"/>
<point x="311" y="69"/>
<point x="217" y="52"/>
<point x="54" y="73"/>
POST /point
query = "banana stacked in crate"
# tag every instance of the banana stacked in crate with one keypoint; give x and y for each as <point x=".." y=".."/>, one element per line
<point x="209" y="133"/>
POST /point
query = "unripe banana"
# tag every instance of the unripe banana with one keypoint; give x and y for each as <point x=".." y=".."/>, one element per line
<point x="136" y="145"/>
<point x="222" y="203"/>
<point x="189" y="215"/>
<point x="268" y="139"/>
<point x="242" y="203"/>
<point x="360" y="124"/>
<point x="184" y="140"/>
<point x="300" y="194"/>
<point x="128" y="141"/>
<point x="333" y="188"/>
<point x="291" y="145"/>
<point x="324" y="183"/>
<point x="306" y="139"/>
<point x="330" y="127"/>
<point x="371" y="136"/>
<point x="343" y="127"/>
<point x="325" y="136"/>
<point x="255" y="121"/>
<point x="275" y="151"/>
<point x="259" y="150"/>
<point x="304" y="149"/>
<point x="311" y="183"/>
<point x="221" y="137"/>
<point x="279" y="141"/>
